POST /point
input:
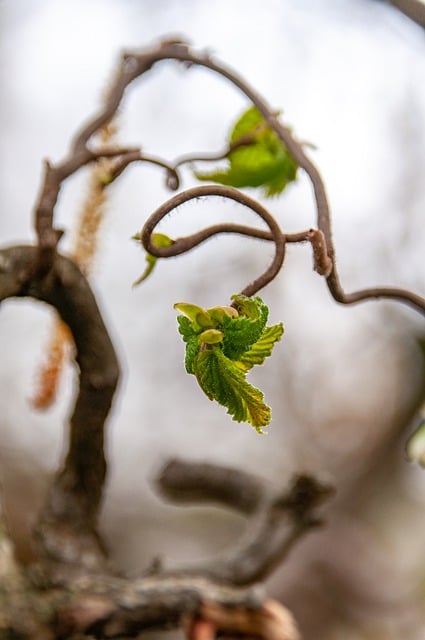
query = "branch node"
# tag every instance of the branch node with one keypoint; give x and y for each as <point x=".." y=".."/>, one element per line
<point x="322" y="262"/>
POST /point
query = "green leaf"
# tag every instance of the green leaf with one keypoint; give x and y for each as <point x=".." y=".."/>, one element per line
<point x="211" y="336"/>
<point x="159" y="240"/>
<point x="242" y="332"/>
<point x="261" y="349"/>
<point x="190" y="337"/>
<point x="265" y="162"/>
<point x="199" y="317"/>
<point x="220" y="355"/>
<point x="223" y="381"/>
<point x="218" y="313"/>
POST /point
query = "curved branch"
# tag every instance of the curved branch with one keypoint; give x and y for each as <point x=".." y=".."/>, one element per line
<point x="243" y="141"/>
<point x="182" y="245"/>
<point x="409" y="298"/>
<point x="77" y="491"/>
<point x="323" y="266"/>
<point x="183" y="53"/>
<point x="413" y="9"/>
<point x="173" y="178"/>
<point x="185" y="482"/>
<point x="132" y="66"/>
<point x="276" y="520"/>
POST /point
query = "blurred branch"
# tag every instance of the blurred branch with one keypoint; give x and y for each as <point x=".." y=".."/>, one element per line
<point x="76" y="493"/>
<point x="114" y="607"/>
<point x="413" y="9"/>
<point x="85" y="598"/>
<point x="101" y="605"/>
<point x="243" y="141"/>
<point x="277" y="520"/>
<point x="185" y="482"/>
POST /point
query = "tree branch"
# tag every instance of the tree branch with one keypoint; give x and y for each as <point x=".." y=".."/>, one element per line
<point x="277" y="520"/>
<point x="75" y="495"/>
<point x="134" y="65"/>
<point x="181" y="245"/>
<point x="107" y="606"/>
<point x="413" y="9"/>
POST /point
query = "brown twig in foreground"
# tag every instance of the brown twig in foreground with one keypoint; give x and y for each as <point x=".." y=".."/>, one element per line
<point x="413" y="9"/>
<point x="76" y="493"/>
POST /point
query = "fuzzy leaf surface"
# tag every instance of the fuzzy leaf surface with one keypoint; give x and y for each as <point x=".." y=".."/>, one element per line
<point x="242" y="332"/>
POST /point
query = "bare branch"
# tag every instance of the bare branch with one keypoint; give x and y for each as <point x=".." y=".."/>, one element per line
<point x="277" y="520"/>
<point x="135" y="64"/>
<point x="243" y="141"/>
<point x="77" y="491"/>
<point x="111" y="607"/>
<point x="181" y="245"/>
<point x="413" y="9"/>
<point x="185" y="482"/>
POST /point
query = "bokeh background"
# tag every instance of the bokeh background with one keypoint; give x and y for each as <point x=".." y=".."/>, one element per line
<point x="344" y="384"/>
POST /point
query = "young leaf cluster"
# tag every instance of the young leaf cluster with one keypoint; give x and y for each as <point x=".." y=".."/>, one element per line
<point x="222" y="345"/>
<point x="263" y="162"/>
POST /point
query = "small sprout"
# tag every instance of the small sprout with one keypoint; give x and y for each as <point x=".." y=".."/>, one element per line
<point x="211" y="336"/>
<point x="222" y="345"/>
<point x="160" y="240"/>
<point x="218" y="313"/>
<point x="199" y="316"/>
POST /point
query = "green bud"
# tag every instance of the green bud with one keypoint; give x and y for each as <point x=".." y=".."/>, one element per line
<point x="211" y="336"/>
<point x="218" y="313"/>
<point x="199" y="317"/>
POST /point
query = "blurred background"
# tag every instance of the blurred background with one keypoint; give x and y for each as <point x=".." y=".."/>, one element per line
<point x="344" y="384"/>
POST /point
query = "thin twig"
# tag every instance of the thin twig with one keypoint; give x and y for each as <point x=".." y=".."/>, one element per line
<point x="182" y="245"/>
<point x="413" y="9"/>
<point x="134" y="65"/>
<point x="243" y="141"/>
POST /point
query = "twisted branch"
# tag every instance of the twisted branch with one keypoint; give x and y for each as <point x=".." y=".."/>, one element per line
<point x="76" y="494"/>
<point x="104" y="605"/>
<point x="413" y="9"/>
<point x="276" y="519"/>
<point x="134" y="65"/>
<point x="182" y="245"/>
